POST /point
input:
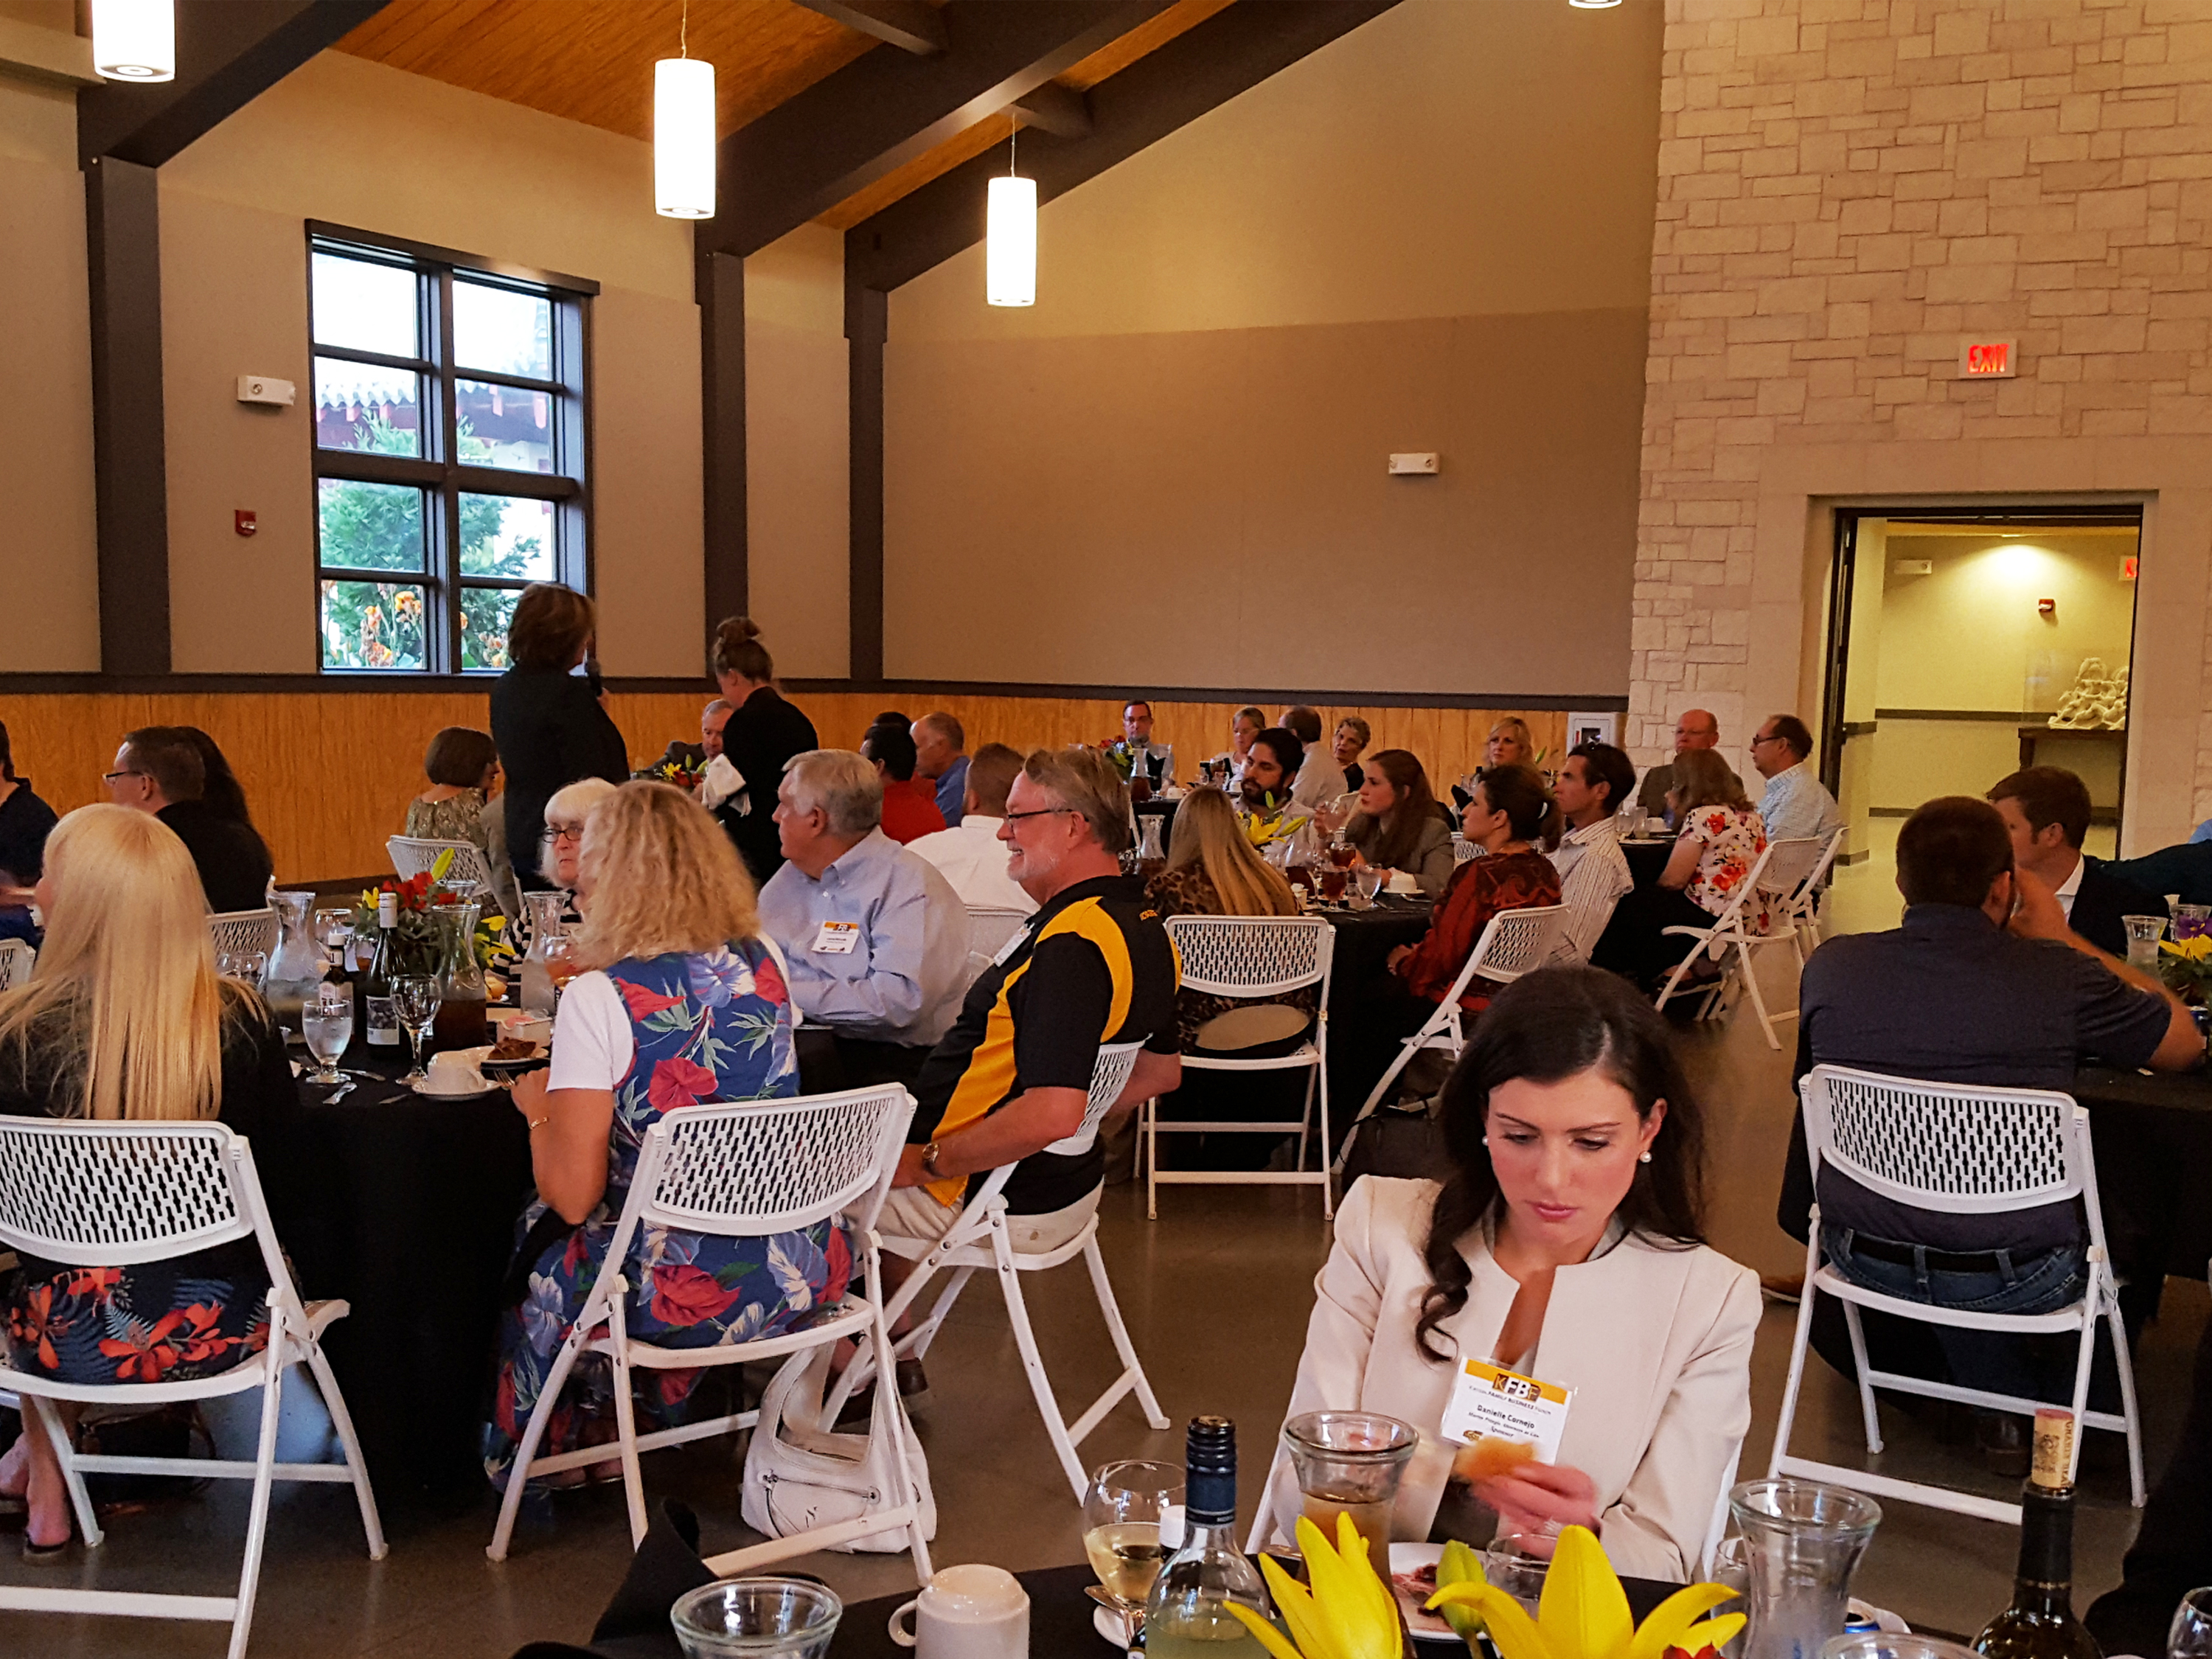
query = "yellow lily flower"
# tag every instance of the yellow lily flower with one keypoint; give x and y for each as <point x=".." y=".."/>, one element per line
<point x="1349" y="1614"/>
<point x="1584" y="1613"/>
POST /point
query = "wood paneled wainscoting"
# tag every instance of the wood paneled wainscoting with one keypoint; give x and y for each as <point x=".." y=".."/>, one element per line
<point x="329" y="774"/>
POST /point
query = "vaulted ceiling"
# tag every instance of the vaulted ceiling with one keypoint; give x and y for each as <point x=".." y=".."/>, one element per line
<point x="592" y="61"/>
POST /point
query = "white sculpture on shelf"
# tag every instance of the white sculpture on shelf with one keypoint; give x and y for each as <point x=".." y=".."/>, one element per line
<point x="2098" y="700"/>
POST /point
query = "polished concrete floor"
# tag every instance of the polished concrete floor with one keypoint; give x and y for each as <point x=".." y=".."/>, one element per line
<point x="1216" y="1293"/>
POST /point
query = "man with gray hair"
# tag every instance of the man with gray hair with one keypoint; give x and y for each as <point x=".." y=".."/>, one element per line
<point x="940" y="754"/>
<point x="875" y="941"/>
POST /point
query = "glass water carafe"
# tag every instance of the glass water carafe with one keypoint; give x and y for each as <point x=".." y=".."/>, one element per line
<point x="297" y="966"/>
<point x="460" y="979"/>
<point x="539" y="996"/>
<point x="1148" y="838"/>
<point x="1802" y="1542"/>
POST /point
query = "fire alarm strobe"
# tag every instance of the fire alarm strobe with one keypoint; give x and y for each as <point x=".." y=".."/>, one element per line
<point x="244" y="522"/>
<point x="266" y="389"/>
<point x="1424" y="462"/>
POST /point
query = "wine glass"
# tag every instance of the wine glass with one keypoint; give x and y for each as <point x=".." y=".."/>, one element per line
<point x="333" y="928"/>
<point x="1123" y="1515"/>
<point x="249" y="966"/>
<point x="561" y="963"/>
<point x="2191" y="1636"/>
<point x="415" y="999"/>
<point x="326" y="1021"/>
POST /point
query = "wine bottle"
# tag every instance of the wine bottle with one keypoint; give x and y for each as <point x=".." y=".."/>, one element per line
<point x="383" y="1017"/>
<point x="2040" y="1622"/>
<point x="1186" y="1615"/>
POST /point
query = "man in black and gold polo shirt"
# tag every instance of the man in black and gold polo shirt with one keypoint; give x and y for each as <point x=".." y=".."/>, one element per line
<point x="1010" y="1081"/>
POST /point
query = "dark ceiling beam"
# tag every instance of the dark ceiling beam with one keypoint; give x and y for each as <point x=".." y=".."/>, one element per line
<point x="1200" y="70"/>
<point x="910" y="25"/>
<point x="228" y="53"/>
<point x="1053" y="108"/>
<point x="879" y="112"/>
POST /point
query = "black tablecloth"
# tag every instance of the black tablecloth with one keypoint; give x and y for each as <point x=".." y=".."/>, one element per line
<point x="2151" y="1134"/>
<point x="1358" y="981"/>
<point x="1647" y="859"/>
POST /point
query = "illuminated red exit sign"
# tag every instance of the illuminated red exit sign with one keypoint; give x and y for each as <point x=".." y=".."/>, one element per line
<point x="1988" y="360"/>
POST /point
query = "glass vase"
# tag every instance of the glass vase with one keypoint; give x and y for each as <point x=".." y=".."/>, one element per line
<point x="460" y="979"/>
<point x="1802" y="1542"/>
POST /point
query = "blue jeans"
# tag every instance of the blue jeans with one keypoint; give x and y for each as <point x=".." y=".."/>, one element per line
<point x="1997" y="1361"/>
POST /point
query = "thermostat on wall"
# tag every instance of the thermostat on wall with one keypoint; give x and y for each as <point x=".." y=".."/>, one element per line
<point x="264" y="389"/>
<point x="1423" y="462"/>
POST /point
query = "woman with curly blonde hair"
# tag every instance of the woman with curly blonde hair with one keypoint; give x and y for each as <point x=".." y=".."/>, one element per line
<point x="682" y="1001"/>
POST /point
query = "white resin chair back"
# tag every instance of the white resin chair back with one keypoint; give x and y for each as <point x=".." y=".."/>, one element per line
<point x="1956" y="1149"/>
<point x="742" y="1169"/>
<point x="978" y="1239"/>
<point x="990" y="928"/>
<point x="1252" y="956"/>
<point x="1730" y="942"/>
<point x="413" y="855"/>
<point x="1463" y="850"/>
<point x="1799" y="912"/>
<point x="118" y="1195"/>
<point x="1790" y="865"/>
<point x="232" y="931"/>
<point x="16" y="959"/>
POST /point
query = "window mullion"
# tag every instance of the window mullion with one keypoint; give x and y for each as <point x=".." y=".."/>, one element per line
<point x="448" y="562"/>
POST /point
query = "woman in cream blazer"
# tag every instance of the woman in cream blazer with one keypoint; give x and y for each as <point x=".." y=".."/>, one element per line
<point x="1650" y="1329"/>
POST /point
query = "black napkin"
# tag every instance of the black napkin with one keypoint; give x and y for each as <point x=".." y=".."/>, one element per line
<point x="635" y="1624"/>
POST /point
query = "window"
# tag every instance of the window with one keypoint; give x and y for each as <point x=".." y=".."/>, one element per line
<point x="450" y="462"/>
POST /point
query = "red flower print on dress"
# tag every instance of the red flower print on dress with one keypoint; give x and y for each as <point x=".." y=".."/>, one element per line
<point x="683" y="1295"/>
<point x="197" y="1339"/>
<point x="641" y="1002"/>
<point x="678" y="1082"/>
<point x="94" y="1281"/>
<point x="840" y="1256"/>
<point x="33" y="1326"/>
<point x="767" y="981"/>
<point x="143" y="1353"/>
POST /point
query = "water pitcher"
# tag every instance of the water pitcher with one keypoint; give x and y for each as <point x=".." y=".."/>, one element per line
<point x="1148" y="838"/>
<point x="297" y="966"/>
<point x="1803" y="1540"/>
<point x="538" y="996"/>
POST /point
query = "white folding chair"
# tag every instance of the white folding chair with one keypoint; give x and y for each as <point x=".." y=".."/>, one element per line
<point x="1251" y="957"/>
<point x="1729" y="932"/>
<point x="242" y="930"/>
<point x="1513" y="943"/>
<point x="1800" y="909"/>
<point x="16" y="957"/>
<point x="740" y="1168"/>
<point x="1463" y="850"/>
<point x="978" y="1239"/>
<point x="413" y="855"/>
<point x="990" y="928"/>
<point x="121" y="1194"/>
<point x="1959" y="1149"/>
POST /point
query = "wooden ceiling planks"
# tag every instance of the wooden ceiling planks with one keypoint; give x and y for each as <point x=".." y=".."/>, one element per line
<point x="592" y="60"/>
<point x="1146" y="36"/>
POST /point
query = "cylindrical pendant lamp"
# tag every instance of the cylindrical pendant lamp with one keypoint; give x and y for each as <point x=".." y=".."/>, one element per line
<point x="1010" y="248"/>
<point x="683" y="138"/>
<point x="135" y="40"/>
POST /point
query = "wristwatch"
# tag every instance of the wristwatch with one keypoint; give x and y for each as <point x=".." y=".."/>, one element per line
<point x="929" y="1159"/>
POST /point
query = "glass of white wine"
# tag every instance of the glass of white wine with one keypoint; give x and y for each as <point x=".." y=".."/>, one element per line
<point x="1132" y="1522"/>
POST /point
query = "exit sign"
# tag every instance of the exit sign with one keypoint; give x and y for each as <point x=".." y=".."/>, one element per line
<point x="1988" y="360"/>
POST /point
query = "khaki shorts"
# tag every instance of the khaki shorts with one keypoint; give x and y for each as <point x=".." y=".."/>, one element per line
<point x="913" y="1212"/>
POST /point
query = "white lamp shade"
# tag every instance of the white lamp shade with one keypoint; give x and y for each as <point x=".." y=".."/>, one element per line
<point x="135" y="40"/>
<point x="683" y="138"/>
<point x="1009" y="245"/>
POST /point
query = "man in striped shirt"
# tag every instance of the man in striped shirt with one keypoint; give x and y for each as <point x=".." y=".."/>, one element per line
<point x="1593" y="870"/>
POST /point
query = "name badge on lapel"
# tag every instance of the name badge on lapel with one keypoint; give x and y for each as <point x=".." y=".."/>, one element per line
<point x="837" y="938"/>
<point x="1507" y="1419"/>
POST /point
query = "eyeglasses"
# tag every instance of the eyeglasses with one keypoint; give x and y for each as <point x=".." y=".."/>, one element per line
<point x="564" y="832"/>
<point x="1040" y="813"/>
<point x="1771" y="737"/>
<point x="110" y="777"/>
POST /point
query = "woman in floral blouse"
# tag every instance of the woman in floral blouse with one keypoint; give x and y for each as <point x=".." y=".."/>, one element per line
<point x="1719" y="841"/>
<point x="685" y="1002"/>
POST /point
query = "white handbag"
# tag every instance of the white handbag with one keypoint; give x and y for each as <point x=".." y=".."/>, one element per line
<point x="800" y="1474"/>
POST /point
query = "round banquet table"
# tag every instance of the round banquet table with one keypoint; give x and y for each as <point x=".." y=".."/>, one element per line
<point x="1061" y="1613"/>
<point x="1357" y="977"/>
<point x="2152" y="1135"/>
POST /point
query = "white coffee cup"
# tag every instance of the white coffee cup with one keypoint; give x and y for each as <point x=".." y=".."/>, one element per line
<point x="454" y="1072"/>
<point x="1403" y="881"/>
<point x="976" y="1611"/>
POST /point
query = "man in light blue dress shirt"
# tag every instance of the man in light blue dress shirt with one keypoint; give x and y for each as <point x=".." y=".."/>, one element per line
<point x="1795" y="806"/>
<point x="874" y="938"/>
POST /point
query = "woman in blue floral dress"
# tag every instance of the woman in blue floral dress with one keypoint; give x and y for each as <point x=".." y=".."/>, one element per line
<point x="688" y="1006"/>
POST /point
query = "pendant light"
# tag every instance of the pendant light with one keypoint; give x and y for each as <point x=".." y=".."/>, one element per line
<point x="683" y="132"/>
<point x="135" y="40"/>
<point x="1009" y="237"/>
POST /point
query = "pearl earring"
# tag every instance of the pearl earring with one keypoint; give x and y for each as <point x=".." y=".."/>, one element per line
<point x="1644" y="1158"/>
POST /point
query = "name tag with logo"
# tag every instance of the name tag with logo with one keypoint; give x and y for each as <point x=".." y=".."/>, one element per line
<point x="837" y="938"/>
<point x="1524" y="1416"/>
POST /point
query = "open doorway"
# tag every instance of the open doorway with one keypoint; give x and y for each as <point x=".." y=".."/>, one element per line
<point x="1962" y="646"/>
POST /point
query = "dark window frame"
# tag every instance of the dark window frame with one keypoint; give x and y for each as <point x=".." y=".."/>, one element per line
<point x="434" y="469"/>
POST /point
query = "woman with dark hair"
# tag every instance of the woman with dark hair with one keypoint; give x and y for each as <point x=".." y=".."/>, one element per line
<point x="1567" y="1245"/>
<point x="1397" y="826"/>
<point x="25" y="823"/>
<point x="1511" y="810"/>
<point x="548" y="725"/>
<point x="1718" y="839"/>
<point x="462" y="768"/>
<point x="762" y="736"/>
<point x="220" y="793"/>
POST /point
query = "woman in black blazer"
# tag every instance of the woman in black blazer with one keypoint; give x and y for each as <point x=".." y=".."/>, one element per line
<point x="763" y="733"/>
<point x="546" y="721"/>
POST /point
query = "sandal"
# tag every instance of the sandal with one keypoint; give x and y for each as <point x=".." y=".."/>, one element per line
<point x="46" y="1555"/>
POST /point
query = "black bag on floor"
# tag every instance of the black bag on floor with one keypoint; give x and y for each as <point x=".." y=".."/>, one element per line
<point x="1405" y="1139"/>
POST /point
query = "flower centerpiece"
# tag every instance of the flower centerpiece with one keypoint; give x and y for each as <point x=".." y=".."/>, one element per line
<point x="1350" y="1613"/>
<point x="415" y="941"/>
<point x="1116" y="749"/>
<point x="676" y="769"/>
<point x="2186" y="965"/>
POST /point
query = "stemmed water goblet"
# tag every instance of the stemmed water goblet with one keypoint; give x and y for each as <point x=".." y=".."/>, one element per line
<point x="415" y="1000"/>
<point x="326" y="1021"/>
<point x="2191" y="1636"/>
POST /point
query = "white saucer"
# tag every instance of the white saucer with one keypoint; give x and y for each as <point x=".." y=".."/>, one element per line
<point x="1110" y="1629"/>
<point x="1420" y="1624"/>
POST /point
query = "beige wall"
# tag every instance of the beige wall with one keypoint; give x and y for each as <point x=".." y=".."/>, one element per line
<point x="1849" y="190"/>
<point x="798" y="435"/>
<point x="49" y="560"/>
<point x="1432" y="233"/>
<point x="372" y="149"/>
